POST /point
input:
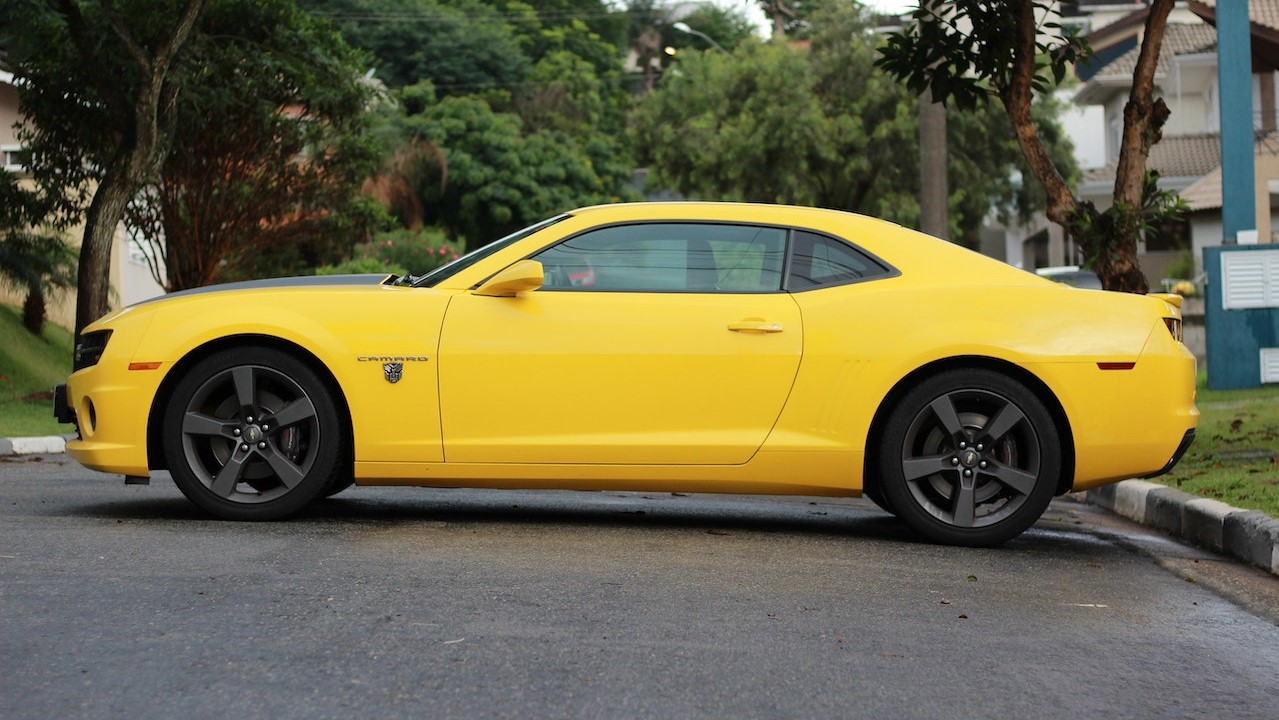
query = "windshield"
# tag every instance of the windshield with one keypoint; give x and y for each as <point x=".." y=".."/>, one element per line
<point x="445" y="272"/>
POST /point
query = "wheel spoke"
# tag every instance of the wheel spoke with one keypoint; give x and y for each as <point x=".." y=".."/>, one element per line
<point x="1006" y="419"/>
<point x="944" y="409"/>
<point x="965" y="508"/>
<point x="245" y="388"/>
<point x="194" y="423"/>
<point x="1019" y="480"/>
<point x="921" y="467"/>
<point x="293" y="413"/>
<point x="288" y="473"/>
<point x="224" y="484"/>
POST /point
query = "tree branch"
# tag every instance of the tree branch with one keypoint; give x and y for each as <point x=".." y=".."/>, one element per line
<point x="1017" y="98"/>
<point x="1143" y="115"/>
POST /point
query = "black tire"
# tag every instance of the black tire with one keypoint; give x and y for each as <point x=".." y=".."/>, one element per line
<point x="970" y="457"/>
<point x="339" y="484"/>
<point x="873" y="493"/>
<point x="252" y="434"/>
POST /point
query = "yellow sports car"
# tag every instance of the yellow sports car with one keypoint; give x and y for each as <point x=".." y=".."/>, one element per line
<point x="693" y="347"/>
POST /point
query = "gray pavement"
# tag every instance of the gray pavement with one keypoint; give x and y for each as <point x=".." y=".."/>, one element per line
<point x="124" y="602"/>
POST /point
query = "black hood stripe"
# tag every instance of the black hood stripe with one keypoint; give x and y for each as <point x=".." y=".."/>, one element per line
<point x="302" y="281"/>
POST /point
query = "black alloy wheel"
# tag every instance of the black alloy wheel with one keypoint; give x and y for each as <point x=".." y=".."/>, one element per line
<point x="970" y="457"/>
<point x="252" y="434"/>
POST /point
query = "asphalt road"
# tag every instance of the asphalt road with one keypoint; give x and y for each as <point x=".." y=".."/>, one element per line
<point x="124" y="602"/>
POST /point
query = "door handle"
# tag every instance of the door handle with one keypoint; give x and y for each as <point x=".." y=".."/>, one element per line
<point x="755" y="326"/>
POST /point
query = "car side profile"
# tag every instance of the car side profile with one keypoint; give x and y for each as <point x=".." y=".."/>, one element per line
<point x="691" y="347"/>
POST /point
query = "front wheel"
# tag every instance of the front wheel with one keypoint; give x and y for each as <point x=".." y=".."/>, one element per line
<point x="970" y="457"/>
<point x="252" y="434"/>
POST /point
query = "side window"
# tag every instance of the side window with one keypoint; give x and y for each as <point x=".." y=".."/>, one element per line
<point x="820" y="261"/>
<point x="668" y="257"/>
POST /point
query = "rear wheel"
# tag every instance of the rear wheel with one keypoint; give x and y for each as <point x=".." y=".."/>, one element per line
<point x="252" y="434"/>
<point x="970" y="457"/>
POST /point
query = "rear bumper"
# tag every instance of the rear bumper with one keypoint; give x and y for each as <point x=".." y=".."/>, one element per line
<point x="1176" y="456"/>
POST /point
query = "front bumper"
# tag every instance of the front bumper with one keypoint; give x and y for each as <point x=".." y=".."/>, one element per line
<point x="61" y="408"/>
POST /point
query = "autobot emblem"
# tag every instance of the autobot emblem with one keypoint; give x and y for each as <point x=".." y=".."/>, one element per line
<point x="393" y="371"/>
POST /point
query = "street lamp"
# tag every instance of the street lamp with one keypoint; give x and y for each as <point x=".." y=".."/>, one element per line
<point x="684" y="28"/>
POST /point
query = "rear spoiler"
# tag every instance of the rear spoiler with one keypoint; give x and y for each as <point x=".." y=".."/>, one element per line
<point x="1172" y="299"/>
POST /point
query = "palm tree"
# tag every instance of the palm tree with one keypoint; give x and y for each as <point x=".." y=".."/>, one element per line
<point x="39" y="264"/>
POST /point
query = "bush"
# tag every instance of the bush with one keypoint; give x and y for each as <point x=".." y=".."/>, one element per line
<point x="400" y="252"/>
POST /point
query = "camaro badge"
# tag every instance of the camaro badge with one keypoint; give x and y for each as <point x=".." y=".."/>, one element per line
<point x="393" y="371"/>
<point x="392" y="365"/>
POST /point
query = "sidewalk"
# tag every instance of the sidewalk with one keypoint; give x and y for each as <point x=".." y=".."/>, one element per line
<point x="1249" y="535"/>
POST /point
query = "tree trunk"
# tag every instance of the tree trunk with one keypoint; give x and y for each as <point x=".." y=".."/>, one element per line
<point x="1109" y="240"/>
<point x="93" y="281"/>
<point x="138" y="154"/>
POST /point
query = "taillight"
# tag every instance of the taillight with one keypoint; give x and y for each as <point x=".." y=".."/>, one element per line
<point x="1174" y="327"/>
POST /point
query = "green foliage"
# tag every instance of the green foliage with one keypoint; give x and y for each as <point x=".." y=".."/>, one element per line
<point x="270" y="147"/>
<point x="1122" y="221"/>
<point x="500" y="178"/>
<point x="400" y="252"/>
<point x="727" y="26"/>
<point x="824" y="127"/>
<point x="966" y="50"/>
<point x="361" y="266"/>
<point x="34" y="262"/>
<point x="30" y="365"/>
<point x="461" y="46"/>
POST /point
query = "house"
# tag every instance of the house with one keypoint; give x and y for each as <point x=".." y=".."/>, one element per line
<point x="130" y="277"/>
<point x="1188" y="157"/>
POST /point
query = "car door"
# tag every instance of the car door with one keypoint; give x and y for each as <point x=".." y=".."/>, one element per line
<point x="648" y="343"/>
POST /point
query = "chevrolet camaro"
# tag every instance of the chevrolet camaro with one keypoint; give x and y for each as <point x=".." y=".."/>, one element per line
<point x="691" y="347"/>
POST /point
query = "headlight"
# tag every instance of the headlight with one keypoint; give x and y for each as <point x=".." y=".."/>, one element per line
<point x="89" y="350"/>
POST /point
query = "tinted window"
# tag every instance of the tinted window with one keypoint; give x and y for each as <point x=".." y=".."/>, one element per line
<point x="668" y="257"/>
<point x="819" y="261"/>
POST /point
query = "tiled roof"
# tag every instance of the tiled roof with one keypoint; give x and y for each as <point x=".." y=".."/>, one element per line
<point x="1173" y="156"/>
<point x="1261" y="12"/>
<point x="1205" y="193"/>
<point x="1179" y="39"/>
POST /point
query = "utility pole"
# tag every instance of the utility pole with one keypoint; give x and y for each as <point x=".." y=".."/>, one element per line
<point x="934" y="189"/>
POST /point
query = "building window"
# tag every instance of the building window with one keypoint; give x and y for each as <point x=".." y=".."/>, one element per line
<point x="12" y="160"/>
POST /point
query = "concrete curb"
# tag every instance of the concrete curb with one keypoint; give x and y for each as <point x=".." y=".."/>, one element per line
<point x="49" y="444"/>
<point x="1250" y="535"/>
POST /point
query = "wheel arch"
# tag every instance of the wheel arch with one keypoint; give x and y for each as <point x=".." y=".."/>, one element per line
<point x="971" y="362"/>
<point x="155" y="425"/>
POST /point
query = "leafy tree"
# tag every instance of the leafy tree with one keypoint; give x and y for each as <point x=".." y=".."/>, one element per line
<point x="38" y="264"/>
<point x="99" y="84"/>
<point x="967" y="50"/>
<point x="499" y="178"/>
<point x="461" y="46"/>
<point x="271" y="145"/>
<point x="773" y="123"/>
<point x="727" y="26"/>
<point x="33" y="260"/>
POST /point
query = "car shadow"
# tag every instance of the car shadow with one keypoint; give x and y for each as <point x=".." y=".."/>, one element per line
<point x="403" y="508"/>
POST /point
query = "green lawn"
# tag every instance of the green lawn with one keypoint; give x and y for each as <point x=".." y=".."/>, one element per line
<point x="29" y="368"/>
<point x="1235" y="451"/>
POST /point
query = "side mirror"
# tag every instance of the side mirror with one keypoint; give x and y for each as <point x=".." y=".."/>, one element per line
<point x="523" y="276"/>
